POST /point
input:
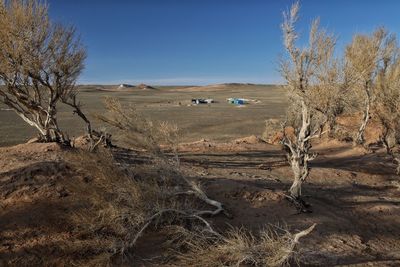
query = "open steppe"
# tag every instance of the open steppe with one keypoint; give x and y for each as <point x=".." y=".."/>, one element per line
<point x="219" y="121"/>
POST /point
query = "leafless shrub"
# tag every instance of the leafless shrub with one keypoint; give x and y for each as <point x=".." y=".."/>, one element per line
<point x="329" y="93"/>
<point x="307" y="71"/>
<point x="272" y="127"/>
<point x="39" y="64"/>
<point x="387" y="98"/>
<point x="365" y="57"/>
<point x="141" y="133"/>
<point x="269" y="248"/>
<point x="136" y="131"/>
<point x="343" y="133"/>
<point x="123" y="208"/>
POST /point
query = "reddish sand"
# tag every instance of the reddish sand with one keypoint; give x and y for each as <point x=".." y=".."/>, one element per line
<point x="354" y="195"/>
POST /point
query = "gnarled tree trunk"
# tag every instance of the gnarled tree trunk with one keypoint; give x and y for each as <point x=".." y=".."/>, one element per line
<point x="360" y="139"/>
<point x="299" y="153"/>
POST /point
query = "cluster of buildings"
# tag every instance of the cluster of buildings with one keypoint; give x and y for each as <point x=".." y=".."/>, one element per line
<point x="234" y="101"/>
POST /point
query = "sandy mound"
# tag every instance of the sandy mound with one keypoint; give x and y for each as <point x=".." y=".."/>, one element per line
<point x="56" y="208"/>
<point x="351" y="123"/>
<point x="252" y="139"/>
<point x="241" y="144"/>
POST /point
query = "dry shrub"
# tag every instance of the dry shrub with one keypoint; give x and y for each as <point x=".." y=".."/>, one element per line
<point x="115" y="204"/>
<point x="304" y="69"/>
<point x="118" y="206"/>
<point x="136" y="131"/>
<point x="272" y="247"/>
<point x="40" y="62"/>
<point x="272" y="127"/>
<point x="154" y="138"/>
<point x="169" y="200"/>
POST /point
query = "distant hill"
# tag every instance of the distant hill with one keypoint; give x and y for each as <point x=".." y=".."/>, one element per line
<point x="237" y="84"/>
<point x="144" y="86"/>
<point x="189" y="88"/>
<point x="214" y="87"/>
<point x="129" y="87"/>
<point x="116" y="88"/>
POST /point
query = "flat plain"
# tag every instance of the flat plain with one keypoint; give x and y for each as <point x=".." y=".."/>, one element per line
<point x="219" y="121"/>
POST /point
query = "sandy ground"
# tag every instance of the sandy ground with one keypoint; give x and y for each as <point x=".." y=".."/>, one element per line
<point x="354" y="196"/>
<point x="219" y="121"/>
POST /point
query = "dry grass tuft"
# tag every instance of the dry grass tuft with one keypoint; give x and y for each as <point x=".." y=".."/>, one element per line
<point x="269" y="248"/>
<point x="117" y="208"/>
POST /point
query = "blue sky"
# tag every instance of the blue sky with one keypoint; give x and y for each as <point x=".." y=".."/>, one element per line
<point x="179" y="42"/>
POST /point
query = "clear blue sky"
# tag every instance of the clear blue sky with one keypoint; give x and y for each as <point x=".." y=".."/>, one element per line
<point x="203" y="41"/>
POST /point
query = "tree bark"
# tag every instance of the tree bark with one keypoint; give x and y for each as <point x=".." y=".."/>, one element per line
<point x="360" y="135"/>
<point x="295" y="189"/>
<point x="299" y="154"/>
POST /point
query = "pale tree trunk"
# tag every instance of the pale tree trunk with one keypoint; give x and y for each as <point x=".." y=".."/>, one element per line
<point x="390" y="149"/>
<point x="360" y="135"/>
<point x="300" y="170"/>
<point x="299" y="154"/>
<point x="48" y="131"/>
<point x="295" y="189"/>
<point x="331" y="122"/>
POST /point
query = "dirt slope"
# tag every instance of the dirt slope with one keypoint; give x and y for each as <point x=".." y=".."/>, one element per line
<point x="354" y="196"/>
<point x="55" y="209"/>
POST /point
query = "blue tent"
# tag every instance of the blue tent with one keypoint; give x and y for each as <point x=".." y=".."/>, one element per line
<point x="238" y="101"/>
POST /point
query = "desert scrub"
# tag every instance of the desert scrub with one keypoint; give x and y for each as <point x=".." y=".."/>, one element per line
<point x="239" y="246"/>
<point x="271" y="131"/>
<point x="117" y="209"/>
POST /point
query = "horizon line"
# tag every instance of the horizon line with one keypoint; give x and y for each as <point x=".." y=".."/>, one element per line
<point x="185" y="81"/>
<point x="189" y="84"/>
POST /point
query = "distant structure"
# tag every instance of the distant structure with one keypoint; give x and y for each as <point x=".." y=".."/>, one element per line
<point x="124" y="85"/>
<point x="197" y="101"/>
<point x="237" y="101"/>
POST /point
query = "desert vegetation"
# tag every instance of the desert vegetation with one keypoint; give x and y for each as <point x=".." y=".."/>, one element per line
<point x="365" y="57"/>
<point x="40" y="62"/>
<point x="309" y="73"/>
<point x="203" y="245"/>
<point x="145" y="198"/>
<point x="321" y="88"/>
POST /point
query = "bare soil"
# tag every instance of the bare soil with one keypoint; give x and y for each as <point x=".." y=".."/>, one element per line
<point x="353" y="193"/>
<point x="219" y="121"/>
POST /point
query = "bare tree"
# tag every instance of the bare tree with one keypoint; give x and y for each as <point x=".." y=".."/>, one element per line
<point x="302" y="72"/>
<point x="387" y="104"/>
<point x="364" y="57"/>
<point x="329" y="94"/>
<point x="39" y="64"/>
